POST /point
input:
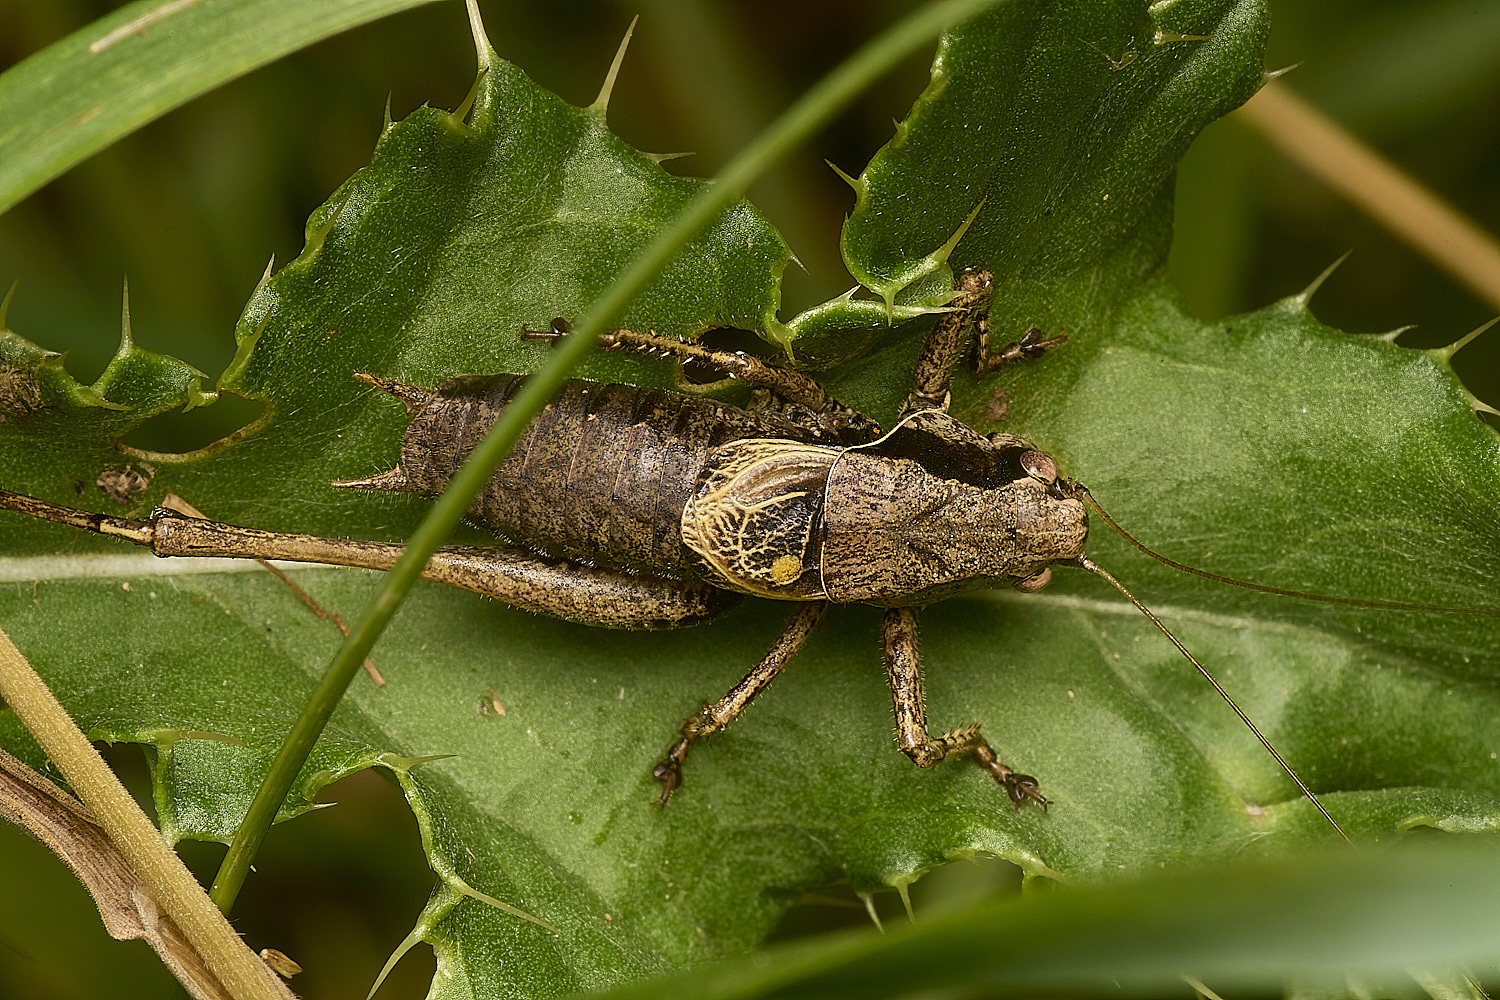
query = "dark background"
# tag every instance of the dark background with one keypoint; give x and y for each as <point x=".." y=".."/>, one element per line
<point x="191" y="207"/>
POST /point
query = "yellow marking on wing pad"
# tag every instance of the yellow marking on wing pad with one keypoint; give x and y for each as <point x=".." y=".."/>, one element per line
<point x="786" y="569"/>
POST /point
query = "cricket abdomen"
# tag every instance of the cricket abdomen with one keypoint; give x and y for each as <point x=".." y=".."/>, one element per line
<point x="600" y="477"/>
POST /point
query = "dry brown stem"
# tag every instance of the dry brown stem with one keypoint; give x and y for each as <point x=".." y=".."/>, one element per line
<point x="1327" y="151"/>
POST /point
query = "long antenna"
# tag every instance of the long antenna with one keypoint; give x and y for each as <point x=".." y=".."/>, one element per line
<point x="1084" y="562"/>
<point x="1077" y="491"/>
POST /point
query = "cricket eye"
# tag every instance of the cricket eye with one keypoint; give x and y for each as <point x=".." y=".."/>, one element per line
<point x="1032" y="584"/>
<point x="1039" y="467"/>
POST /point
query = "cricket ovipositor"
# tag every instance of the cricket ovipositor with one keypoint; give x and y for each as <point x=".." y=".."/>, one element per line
<point x="636" y="508"/>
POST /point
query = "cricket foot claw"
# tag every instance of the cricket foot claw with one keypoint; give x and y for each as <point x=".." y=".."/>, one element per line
<point x="669" y="771"/>
<point x="1019" y="788"/>
<point x="1022" y="787"/>
<point x="1031" y="345"/>
<point x="559" y="329"/>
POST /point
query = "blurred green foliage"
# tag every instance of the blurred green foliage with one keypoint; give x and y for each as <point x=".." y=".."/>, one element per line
<point x="193" y="206"/>
<point x="1419" y="81"/>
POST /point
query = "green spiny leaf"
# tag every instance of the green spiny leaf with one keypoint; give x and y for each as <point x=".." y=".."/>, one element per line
<point x="459" y="233"/>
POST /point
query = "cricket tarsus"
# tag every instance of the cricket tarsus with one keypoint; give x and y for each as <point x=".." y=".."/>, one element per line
<point x="1031" y="345"/>
<point x="139" y="532"/>
<point x="903" y="662"/>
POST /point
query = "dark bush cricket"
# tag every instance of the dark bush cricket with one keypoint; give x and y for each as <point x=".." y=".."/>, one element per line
<point x="632" y="508"/>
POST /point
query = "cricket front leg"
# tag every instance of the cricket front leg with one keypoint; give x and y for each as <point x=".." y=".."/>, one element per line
<point x="969" y="312"/>
<point x="903" y="664"/>
<point x="970" y="304"/>
<point x="716" y="717"/>
<point x="926" y="406"/>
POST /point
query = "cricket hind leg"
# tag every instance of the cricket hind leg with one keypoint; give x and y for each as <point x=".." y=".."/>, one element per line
<point x="903" y="664"/>
<point x="591" y="595"/>
<point x="804" y="399"/>
<point x="716" y="717"/>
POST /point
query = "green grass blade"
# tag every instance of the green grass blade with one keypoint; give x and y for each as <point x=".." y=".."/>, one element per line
<point x="1249" y="927"/>
<point x="77" y="96"/>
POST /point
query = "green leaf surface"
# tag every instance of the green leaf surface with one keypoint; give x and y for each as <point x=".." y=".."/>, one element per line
<point x="1059" y="124"/>
<point x="77" y="96"/>
<point x="426" y="263"/>
<point x="1269" y="447"/>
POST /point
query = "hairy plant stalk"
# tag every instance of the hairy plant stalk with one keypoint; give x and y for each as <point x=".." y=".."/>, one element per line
<point x="171" y="885"/>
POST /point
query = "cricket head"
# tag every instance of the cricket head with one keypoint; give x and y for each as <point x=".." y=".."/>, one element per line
<point x="1067" y="513"/>
<point x="897" y="534"/>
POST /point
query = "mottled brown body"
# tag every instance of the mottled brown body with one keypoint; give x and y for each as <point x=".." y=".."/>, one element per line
<point x="684" y="487"/>
<point x="794" y="499"/>
<point x="600" y="477"/>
